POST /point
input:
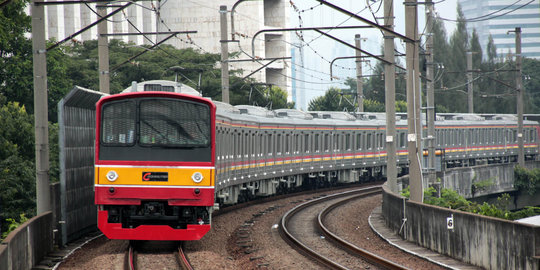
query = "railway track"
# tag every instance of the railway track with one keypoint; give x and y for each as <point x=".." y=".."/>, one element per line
<point x="303" y="228"/>
<point x="171" y="256"/>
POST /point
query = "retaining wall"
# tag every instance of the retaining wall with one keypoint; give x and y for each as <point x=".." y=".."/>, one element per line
<point x="487" y="242"/>
<point x="501" y="177"/>
<point x="28" y="244"/>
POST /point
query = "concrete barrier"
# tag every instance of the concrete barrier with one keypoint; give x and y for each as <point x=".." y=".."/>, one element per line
<point x="28" y="244"/>
<point x="487" y="242"/>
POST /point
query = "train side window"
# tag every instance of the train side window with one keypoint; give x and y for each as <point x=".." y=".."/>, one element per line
<point x="336" y="142"/>
<point x="348" y="142"/>
<point x="241" y="144"/>
<point x="278" y="144"/>
<point x="298" y="143"/>
<point x="326" y="143"/>
<point x="270" y="144"/>
<point x="368" y="141"/>
<point x="531" y="135"/>
<point x="359" y="141"/>
<point x="286" y="142"/>
<point x="482" y="136"/>
<point x="306" y="143"/>
<point x="316" y="148"/>
<point x="253" y="144"/>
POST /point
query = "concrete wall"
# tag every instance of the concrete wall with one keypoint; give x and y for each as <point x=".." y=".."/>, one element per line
<point x="28" y="244"/>
<point x="482" y="241"/>
<point x="462" y="179"/>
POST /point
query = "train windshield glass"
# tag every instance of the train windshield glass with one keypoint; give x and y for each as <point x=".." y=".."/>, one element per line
<point x="157" y="122"/>
<point x="174" y="123"/>
<point x="119" y="123"/>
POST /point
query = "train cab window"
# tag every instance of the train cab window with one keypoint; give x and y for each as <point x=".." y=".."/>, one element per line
<point x="174" y="123"/>
<point x="118" y="123"/>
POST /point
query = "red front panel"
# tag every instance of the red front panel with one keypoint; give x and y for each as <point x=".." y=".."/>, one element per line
<point x="150" y="232"/>
<point x="181" y="196"/>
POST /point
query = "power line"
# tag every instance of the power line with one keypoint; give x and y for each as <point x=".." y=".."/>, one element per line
<point x="482" y="18"/>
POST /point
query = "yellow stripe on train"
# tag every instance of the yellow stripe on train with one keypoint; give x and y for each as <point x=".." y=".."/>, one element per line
<point x="158" y="176"/>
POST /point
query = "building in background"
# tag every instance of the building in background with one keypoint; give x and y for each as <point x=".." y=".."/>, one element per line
<point x="199" y="15"/>
<point x="314" y="52"/>
<point x="497" y="17"/>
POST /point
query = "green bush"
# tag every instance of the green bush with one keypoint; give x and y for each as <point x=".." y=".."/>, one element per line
<point x="13" y="224"/>
<point x="527" y="180"/>
<point x="451" y="199"/>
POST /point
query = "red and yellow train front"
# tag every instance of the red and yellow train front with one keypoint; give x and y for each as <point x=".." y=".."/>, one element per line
<point x="155" y="166"/>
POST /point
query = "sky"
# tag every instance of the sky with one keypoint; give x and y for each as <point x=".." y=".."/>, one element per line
<point x="320" y="50"/>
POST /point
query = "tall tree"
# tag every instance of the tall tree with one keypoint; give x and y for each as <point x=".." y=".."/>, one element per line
<point x="16" y="54"/>
<point x="491" y="50"/>
<point x="476" y="50"/>
<point x="333" y="100"/>
<point x="457" y="64"/>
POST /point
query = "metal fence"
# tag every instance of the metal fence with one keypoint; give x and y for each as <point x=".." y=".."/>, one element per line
<point x="76" y="118"/>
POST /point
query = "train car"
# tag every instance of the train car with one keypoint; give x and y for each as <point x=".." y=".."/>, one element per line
<point x="164" y="159"/>
<point x="155" y="165"/>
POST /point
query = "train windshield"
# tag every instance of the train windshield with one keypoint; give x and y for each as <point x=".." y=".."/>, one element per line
<point x="174" y="123"/>
<point x="160" y="122"/>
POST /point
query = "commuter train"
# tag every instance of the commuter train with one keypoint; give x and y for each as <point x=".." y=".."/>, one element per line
<point x="166" y="157"/>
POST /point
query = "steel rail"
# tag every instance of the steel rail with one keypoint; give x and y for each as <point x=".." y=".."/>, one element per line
<point x="304" y="249"/>
<point x="368" y="256"/>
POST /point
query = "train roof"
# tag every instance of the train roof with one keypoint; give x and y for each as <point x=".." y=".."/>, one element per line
<point x="250" y="113"/>
<point x="162" y="86"/>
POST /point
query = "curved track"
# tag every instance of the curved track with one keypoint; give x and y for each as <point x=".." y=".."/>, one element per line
<point x="302" y="227"/>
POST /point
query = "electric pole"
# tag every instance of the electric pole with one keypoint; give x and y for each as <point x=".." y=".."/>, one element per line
<point x="103" y="50"/>
<point x="390" y="97"/>
<point x="41" y="126"/>
<point x="224" y="55"/>
<point x="413" y="102"/>
<point x="470" y="83"/>
<point x="430" y="85"/>
<point x="359" y="83"/>
<point x="519" y="89"/>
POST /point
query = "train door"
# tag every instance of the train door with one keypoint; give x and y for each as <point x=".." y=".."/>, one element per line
<point x="269" y="152"/>
<point x="288" y="151"/>
<point x="307" y="152"/>
<point x="278" y="165"/>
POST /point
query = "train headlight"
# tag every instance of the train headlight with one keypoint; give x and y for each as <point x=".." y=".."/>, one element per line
<point x="112" y="176"/>
<point x="197" y="177"/>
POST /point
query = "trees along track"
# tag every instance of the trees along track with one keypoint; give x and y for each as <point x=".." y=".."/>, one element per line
<point x="132" y="262"/>
<point x="296" y="230"/>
